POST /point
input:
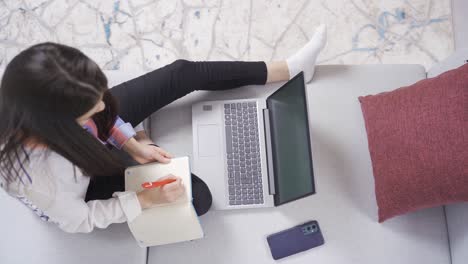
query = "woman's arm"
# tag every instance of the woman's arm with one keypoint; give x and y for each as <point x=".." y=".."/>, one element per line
<point x="144" y="152"/>
<point x="120" y="133"/>
<point x="73" y="215"/>
<point x="143" y="149"/>
<point x="143" y="138"/>
<point x="123" y="136"/>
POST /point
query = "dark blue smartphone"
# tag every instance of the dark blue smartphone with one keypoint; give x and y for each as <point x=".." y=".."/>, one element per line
<point x="294" y="240"/>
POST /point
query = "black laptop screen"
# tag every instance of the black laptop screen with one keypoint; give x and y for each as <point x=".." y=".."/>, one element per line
<point x="292" y="158"/>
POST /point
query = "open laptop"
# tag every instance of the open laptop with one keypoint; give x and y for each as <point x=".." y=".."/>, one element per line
<point x="255" y="152"/>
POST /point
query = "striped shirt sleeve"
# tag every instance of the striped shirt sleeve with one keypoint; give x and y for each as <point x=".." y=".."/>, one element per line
<point x="120" y="133"/>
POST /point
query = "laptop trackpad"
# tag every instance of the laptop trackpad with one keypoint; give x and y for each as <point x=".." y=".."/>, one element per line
<point x="209" y="140"/>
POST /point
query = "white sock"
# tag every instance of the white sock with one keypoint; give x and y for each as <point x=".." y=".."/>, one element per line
<point x="304" y="60"/>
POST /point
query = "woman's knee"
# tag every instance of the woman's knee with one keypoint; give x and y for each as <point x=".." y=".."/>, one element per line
<point x="180" y="65"/>
<point x="202" y="198"/>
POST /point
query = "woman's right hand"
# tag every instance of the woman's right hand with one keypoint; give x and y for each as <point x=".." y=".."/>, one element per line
<point x="168" y="193"/>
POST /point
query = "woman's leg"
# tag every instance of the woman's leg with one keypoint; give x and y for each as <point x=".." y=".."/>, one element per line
<point x="277" y="71"/>
<point x="142" y="96"/>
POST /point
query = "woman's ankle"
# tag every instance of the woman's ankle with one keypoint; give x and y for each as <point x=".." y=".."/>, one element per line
<point x="277" y="71"/>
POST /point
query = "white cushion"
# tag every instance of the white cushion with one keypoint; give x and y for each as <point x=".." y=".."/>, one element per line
<point x="345" y="203"/>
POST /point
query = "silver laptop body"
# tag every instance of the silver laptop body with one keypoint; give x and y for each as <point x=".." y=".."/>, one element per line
<point x="255" y="152"/>
<point x="230" y="151"/>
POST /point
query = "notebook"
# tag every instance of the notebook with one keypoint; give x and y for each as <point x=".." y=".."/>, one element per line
<point x="166" y="223"/>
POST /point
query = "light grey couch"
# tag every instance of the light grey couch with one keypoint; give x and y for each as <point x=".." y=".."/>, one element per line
<point x="344" y="204"/>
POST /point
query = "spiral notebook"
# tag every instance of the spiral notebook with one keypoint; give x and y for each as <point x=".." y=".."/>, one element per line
<point x="166" y="223"/>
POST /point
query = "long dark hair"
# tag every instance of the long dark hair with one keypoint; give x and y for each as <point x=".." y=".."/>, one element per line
<point x="44" y="89"/>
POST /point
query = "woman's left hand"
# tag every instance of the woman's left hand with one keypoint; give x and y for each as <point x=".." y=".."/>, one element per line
<point x="144" y="153"/>
<point x="150" y="153"/>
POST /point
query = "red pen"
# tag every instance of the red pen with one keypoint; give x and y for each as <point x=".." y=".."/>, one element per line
<point x="149" y="185"/>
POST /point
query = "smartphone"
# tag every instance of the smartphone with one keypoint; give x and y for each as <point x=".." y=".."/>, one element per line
<point x="296" y="239"/>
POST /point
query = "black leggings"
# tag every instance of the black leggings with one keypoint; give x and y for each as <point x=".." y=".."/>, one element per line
<point x="144" y="95"/>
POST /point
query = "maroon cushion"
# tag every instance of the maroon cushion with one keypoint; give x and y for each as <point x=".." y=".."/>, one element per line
<point x="418" y="143"/>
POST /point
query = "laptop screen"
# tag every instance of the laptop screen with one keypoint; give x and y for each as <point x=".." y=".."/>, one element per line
<point x="292" y="158"/>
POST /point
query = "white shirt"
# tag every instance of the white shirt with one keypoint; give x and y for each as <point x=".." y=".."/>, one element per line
<point x="56" y="192"/>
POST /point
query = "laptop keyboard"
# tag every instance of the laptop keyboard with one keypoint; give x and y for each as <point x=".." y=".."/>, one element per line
<point x="243" y="154"/>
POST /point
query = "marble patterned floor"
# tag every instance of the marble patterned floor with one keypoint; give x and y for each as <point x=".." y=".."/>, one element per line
<point x="140" y="35"/>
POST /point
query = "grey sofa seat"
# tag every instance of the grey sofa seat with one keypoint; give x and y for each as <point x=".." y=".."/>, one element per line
<point x="345" y="201"/>
<point x="344" y="204"/>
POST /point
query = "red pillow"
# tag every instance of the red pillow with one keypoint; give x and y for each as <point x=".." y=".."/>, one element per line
<point x="418" y="143"/>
